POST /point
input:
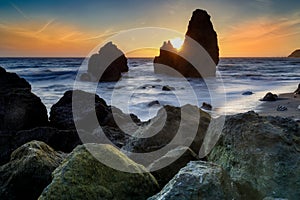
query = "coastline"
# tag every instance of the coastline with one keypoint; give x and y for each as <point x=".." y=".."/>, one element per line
<point x="269" y="108"/>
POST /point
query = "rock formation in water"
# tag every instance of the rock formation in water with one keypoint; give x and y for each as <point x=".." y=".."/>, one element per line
<point x="20" y="109"/>
<point x="191" y="56"/>
<point x="295" y="54"/>
<point x="107" y="65"/>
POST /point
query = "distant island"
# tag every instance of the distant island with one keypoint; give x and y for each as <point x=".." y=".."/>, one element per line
<point x="295" y="54"/>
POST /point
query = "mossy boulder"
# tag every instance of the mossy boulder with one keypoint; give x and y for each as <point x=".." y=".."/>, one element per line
<point x="82" y="176"/>
<point x="29" y="171"/>
<point x="261" y="155"/>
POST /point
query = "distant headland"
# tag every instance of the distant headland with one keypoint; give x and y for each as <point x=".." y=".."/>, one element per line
<point x="295" y="54"/>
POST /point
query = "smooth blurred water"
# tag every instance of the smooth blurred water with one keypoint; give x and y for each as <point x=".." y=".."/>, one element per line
<point x="51" y="77"/>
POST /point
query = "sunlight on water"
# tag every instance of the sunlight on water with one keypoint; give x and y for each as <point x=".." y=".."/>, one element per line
<point x="140" y="90"/>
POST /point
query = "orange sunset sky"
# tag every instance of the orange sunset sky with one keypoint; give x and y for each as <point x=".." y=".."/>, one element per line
<point x="258" y="28"/>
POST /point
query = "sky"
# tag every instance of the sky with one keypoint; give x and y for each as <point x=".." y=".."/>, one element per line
<point x="58" y="28"/>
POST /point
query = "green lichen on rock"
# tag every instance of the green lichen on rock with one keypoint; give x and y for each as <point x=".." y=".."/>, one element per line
<point x="29" y="171"/>
<point x="261" y="155"/>
<point x="82" y="176"/>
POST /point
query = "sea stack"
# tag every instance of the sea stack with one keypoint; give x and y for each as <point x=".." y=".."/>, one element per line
<point x="295" y="54"/>
<point x="200" y="43"/>
<point x="106" y="65"/>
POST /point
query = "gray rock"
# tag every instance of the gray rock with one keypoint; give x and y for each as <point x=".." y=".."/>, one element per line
<point x="198" y="180"/>
<point x="261" y="155"/>
<point x="170" y="121"/>
<point x="182" y="155"/>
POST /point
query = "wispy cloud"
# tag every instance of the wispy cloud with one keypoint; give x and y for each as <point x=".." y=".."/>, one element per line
<point x="45" y="26"/>
<point x="261" y="36"/>
<point x="19" y="11"/>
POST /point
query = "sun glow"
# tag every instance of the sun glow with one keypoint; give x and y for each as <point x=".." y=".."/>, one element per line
<point x="177" y="42"/>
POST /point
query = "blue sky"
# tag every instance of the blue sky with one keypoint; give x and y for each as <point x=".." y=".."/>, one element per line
<point x="92" y="18"/>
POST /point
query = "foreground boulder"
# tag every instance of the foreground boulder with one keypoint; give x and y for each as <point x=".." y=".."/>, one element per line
<point x="29" y="171"/>
<point x="295" y="54"/>
<point x="107" y="65"/>
<point x="88" y="111"/>
<point x="188" y="123"/>
<point x="84" y="105"/>
<point x="198" y="180"/>
<point x="200" y="32"/>
<point x="93" y="115"/>
<point x="181" y="155"/>
<point x="82" y="176"/>
<point x="261" y="155"/>
<point x="20" y="109"/>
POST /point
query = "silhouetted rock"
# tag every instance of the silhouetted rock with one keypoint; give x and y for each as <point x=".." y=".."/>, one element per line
<point x="29" y="171"/>
<point x="83" y="105"/>
<point x="20" y="109"/>
<point x="206" y="106"/>
<point x="261" y="155"/>
<point x="82" y="175"/>
<point x="182" y="155"/>
<point x="295" y="54"/>
<point x="247" y="93"/>
<point x="270" y="97"/>
<point x="92" y="115"/>
<point x="167" y="88"/>
<point x="107" y="65"/>
<point x="191" y="60"/>
<point x="153" y="103"/>
<point x="199" y="180"/>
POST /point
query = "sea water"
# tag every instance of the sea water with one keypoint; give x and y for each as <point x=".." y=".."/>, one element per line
<point x="51" y="77"/>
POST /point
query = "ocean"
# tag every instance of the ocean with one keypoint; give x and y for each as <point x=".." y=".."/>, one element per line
<point x="51" y="77"/>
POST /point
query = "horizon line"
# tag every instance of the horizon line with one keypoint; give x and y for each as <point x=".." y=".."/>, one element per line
<point x="139" y="57"/>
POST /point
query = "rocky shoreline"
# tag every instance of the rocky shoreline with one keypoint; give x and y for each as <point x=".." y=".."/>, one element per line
<point x="256" y="157"/>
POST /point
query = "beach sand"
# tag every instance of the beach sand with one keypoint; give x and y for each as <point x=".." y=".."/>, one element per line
<point x="288" y="100"/>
